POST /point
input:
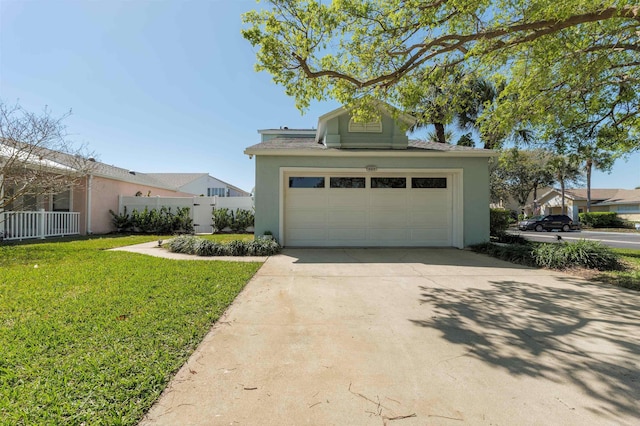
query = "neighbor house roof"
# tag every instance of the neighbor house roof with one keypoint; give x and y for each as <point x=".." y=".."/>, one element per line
<point x="177" y="179"/>
<point x="596" y="194"/>
<point x="623" y="196"/>
<point x="308" y="146"/>
<point x="62" y="162"/>
<point x="181" y="179"/>
<point x="600" y="197"/>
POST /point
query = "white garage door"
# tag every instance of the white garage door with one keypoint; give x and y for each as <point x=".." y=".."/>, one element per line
<point x="368" y="209"/>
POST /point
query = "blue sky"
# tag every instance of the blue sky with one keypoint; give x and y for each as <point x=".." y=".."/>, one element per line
<point x="159" y="85"/>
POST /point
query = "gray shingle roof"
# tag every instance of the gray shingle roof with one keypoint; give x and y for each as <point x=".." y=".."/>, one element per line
<point x="596" y="194"/>
<point x="68" y="163"/>
<point x="312" y="145"/>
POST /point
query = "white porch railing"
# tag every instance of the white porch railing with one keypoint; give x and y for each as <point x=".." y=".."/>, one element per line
<point x="40" y="224"/>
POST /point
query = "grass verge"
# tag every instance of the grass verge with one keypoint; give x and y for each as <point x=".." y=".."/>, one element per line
<point x="90" y="336"/>
<point x="630" y="276"/>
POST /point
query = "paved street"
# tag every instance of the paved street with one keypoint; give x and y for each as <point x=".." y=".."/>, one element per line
<point x="611" y="239"/>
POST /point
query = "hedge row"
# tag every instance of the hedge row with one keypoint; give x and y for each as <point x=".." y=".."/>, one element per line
<point x="189" y="244"/>
<point x="154" y="221"/>
<point x="600" y="220"/>
<point x="583" y="253"/>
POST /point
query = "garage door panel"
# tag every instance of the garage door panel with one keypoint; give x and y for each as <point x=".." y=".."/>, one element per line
<point x="434" y="236"/>
<point x="347" y="234"/>
<point x="311" y="218"/>
<point x="422" y="220"/>
<point x="386" y="217"/>
<point x="347" y="218"/>
<point x="424" y="198"/>
<point x="307" y="234"/>
<point x="393" y="198"/>
<point x="307" y="198"/>
<point x="348" y="198"/>
<point x="389" y="235"/>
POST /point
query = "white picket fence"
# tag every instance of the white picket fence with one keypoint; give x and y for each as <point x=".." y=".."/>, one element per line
<point x="38" y="224"/>
<point x="200" y="208"/>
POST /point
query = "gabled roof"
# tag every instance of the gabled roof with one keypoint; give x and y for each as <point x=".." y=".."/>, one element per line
<point x="307" y="146"/>
<point x="178" y="180"/>
<point x="382" y="107"/>
<point x="596" y="194"/>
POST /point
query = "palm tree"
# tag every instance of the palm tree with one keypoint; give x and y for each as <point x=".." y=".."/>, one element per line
<point x="566" y="169"/>
<point x="594" y="156"/>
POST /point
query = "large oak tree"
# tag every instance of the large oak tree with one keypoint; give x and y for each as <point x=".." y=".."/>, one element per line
<point x="543" y="52"/>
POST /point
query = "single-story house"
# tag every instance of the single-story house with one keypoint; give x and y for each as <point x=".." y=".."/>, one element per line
<point x="625" y="202"/>
<point x="201" y="184"/>
<point x="92" y="189"/>
<point x="354" y="184"/>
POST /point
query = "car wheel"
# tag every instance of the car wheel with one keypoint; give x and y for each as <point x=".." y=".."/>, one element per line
<point x="565" y="228"/>
<point x="539" y="228"/>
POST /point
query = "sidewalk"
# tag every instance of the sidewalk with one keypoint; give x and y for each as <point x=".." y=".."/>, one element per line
<point x="152" y="249"/>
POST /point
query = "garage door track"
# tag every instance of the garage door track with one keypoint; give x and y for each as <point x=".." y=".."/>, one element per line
<point x="412" y="337"/>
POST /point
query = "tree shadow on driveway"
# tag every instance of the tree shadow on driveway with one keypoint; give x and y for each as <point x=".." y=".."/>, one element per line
<point x="570" y="332"/>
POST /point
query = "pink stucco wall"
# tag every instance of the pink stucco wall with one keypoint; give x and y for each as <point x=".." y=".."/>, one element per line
<point x="104" y="196"/>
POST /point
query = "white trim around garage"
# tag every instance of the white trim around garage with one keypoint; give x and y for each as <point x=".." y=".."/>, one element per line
<point x="456" y="179"/>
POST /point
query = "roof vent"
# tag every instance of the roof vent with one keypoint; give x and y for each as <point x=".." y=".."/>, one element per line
<point x="93" y="160"/>
<point x="131" y="172"/>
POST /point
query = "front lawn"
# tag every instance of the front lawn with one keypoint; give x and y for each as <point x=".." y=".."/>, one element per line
<point x="90" y="336"/>
<point x="630" y="277"/>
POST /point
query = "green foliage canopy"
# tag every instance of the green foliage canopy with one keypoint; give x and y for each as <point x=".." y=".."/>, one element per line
<point x="546" y="54"/>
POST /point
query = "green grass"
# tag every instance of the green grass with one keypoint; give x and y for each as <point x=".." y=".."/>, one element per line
<point x="629" y="277"/>
<point x="93" y="336"/>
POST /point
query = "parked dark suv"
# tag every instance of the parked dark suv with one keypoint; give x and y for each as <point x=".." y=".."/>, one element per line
<point x="546" y="223"/>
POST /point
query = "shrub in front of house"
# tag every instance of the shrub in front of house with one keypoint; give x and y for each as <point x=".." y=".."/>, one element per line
<point x="583" y="253"/>
<point x="189" y="244"/>
<point x="600" y="220"/>
<point x="499" y="221"/>
<point x="154" y="221"/>
<point x="239" y="221"/>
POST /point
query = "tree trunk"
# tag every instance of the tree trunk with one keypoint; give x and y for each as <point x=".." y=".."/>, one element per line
<point x="440" y="132"/>
<point x="589" y="167"/>
<point x="535" y="199"/>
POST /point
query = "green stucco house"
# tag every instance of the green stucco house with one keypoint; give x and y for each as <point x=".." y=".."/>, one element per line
<point x="351" y="184"/>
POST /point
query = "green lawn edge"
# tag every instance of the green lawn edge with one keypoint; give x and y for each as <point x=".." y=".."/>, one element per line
<point x="93" y="336"/>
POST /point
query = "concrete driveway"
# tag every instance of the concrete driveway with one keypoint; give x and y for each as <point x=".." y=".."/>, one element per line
<point x="412" y="337"/>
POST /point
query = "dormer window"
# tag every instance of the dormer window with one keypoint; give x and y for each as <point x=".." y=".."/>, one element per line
<point x="369" y="127"/>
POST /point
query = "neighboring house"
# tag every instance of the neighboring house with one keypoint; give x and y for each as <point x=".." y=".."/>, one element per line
<point x="367" y="185"/>
<point x="512" y="205"/>
<point x="625" y="202"/>
<point x="199" y="184"/>
<point x="90" y="199"/>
